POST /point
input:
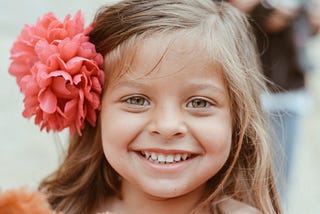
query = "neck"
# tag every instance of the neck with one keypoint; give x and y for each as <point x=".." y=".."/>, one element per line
<point x="136" y="202"/>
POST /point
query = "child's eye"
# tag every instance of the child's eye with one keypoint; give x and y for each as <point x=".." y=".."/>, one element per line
<point x="137" y="100"/>
<point x="198" y="103"/>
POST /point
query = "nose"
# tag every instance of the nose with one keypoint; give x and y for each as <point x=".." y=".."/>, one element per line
<point x="168" y="123"/>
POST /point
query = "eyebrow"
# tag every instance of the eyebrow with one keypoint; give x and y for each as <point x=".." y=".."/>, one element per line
<point x="206" y="85"/>
<point x="192" y="85"/>
<point x="129" y="84"/>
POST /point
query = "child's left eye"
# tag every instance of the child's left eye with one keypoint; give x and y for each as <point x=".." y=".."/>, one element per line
<point x="198" y="103"/>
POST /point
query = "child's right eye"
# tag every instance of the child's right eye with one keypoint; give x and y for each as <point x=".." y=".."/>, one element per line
<point x="137" y="100"/>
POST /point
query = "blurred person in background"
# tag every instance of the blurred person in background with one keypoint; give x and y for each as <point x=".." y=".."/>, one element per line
<point x="283" y="29"/>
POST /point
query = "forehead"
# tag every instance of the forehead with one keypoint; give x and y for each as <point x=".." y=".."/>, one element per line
<point x="168" y="53"/>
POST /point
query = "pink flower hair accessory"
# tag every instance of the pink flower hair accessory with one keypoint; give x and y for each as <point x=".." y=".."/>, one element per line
<point x="59" y="72"/>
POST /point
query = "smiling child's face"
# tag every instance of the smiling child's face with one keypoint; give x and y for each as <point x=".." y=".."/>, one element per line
<point x="166" y="123"/>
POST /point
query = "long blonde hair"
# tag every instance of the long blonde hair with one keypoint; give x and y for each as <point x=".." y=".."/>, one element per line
<point x="85" y="179"/>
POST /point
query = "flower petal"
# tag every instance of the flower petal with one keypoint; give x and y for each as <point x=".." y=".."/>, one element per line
<point x="48" y="101"/>
<point x="59" y="87"/>
<point x="68" y="48"/>
<point x="74" y="65"/>
<point x="44" y="50"/>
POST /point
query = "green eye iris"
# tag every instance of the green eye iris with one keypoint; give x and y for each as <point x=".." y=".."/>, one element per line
<point x="140" y="101"/>
<point x="198" y="103"/>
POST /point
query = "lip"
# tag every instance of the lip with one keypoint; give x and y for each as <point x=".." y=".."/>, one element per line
<point x="165" y="151"/>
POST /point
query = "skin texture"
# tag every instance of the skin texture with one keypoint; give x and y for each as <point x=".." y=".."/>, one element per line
<point x="178" y="105"/>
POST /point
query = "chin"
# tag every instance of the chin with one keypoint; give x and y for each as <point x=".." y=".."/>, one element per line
<point x="162" y="192"/>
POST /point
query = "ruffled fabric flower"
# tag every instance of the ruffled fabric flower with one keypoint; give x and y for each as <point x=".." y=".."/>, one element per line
<point x="59" y="72"/>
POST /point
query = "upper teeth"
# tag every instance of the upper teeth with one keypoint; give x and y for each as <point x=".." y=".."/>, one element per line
<point x="165" y="158"/>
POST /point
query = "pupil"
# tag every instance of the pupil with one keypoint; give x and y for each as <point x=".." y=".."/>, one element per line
<point x="137" y="100"/>
<point x="198" y="103"/>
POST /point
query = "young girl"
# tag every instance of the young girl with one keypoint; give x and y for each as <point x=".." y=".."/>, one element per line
<point x="181" y="128"/>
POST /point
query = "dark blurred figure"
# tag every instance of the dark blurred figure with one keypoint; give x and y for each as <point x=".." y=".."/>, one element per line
<point x="283" y="29"/>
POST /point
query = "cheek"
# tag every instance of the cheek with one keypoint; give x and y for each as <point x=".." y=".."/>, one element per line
<point x="215" y="136"/>
<point x="114" y="141"/>
<point x="118" y="128"/>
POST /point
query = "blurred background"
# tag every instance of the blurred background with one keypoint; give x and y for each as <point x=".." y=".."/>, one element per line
<point x="28" y="155"/>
